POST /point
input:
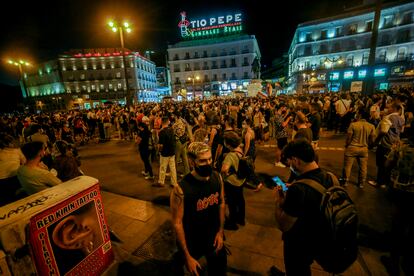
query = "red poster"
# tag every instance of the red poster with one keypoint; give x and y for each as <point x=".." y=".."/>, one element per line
<point x="72" y="238"/>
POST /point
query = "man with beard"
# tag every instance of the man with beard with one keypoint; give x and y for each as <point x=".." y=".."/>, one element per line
<point x="198" y="210"/>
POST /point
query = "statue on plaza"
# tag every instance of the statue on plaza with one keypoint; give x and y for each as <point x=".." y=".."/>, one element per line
<point x="256" y="67"/>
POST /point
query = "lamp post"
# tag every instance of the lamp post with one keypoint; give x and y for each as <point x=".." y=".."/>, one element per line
<point x="193" y="78"/>
<point x="330" y="62"/>
<point x="121" y="28"/>
<point x="19" y="64"/>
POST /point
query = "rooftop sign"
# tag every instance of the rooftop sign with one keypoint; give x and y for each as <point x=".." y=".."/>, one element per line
<point x="213" y="26"/>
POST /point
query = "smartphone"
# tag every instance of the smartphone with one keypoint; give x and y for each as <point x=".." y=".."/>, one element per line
<point x="280" y="183"/>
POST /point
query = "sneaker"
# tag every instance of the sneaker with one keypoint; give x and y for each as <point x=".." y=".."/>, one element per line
<point x="148" y="177"/>
<point x="280" y="165"/>
<point x="144" y="173"/>
<point x="372" y="183"/>
<point x="158" y="185"/>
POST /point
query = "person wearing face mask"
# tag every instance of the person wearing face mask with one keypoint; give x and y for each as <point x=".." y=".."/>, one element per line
<point x="198" y="210"/>
<point x="232" y="184"/>
<point x="297" y="211"/>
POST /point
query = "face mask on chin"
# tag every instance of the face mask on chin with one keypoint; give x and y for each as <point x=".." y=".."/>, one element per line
<point x="204" y="170"/>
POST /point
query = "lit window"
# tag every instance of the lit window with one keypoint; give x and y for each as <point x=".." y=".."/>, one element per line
<point x="334" y="76"/>
<point x="380" y="72"/>
<point x="348" y="75"/>
<point x="119" y="85"/>
<point x="118" y="74"/>
<point x="362" y="74"/>
<point x="82" y="76"/>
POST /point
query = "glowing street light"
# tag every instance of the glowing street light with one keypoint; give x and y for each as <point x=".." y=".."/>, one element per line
<point x="114" y="26"/>
<point x="193" y="78"/>
<point x="19" y="64"/>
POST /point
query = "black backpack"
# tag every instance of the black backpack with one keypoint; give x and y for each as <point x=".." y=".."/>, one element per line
<point x="246" y="167"/>
<point x="338" y="248"/>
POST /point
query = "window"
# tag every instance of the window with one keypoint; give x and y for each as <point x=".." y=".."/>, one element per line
<point x="245" y="61"/>
<point x="334" y="76"/>
<point x="187" y="67"/>
<point x="196" y="55"/>
<point x="93" y="87"/>
<point x="338" y="31"/>
<point x="224" y="76"/>
<point x="206" y="78"/>
<point x="368" y="26"/>
<point x="176" y="57"/>
<point x="102" y="86"/>
<point x="401" y="53"/>
<point x="246" y="75"/>
<point x="407" y="18"/>
<point x="388" y="21"/>
<point x="324" y="34"/>
<point x="214" y="53"/>
<point x="365" y="57"/>
<point x="233" y="62"/>
<point x="362" y="74"/>
<point x="223" y="64"/>
<point x="110" y="86"/>
<point x="308" y="36"/>
<point x="187" y="55"/>
<point x="350" y="60"/>
<point x="119" y="85"/>
<point x="382" y="56"/>
<point x="352" y="29"/>
<point x="215" y="77"/>
<point x="82" y="76"/>
<point x="176" y="68"/>
<point x="233" y="76"/>
<point x="118" y="74"/>
<point x="204" y="53"/>
<point x="197" y="66"/>
<point x="214" y="64"/>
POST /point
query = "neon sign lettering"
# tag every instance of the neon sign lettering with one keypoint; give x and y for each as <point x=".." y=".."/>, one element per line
<point x="228" y="24"/>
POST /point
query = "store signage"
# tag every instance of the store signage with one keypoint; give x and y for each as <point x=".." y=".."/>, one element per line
<point x="212" y="26"/>
<point x="356" y="86"/>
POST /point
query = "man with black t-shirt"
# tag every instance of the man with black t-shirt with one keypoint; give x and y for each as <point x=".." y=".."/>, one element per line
<point x="166" y="145"/>
<point x="298" y="210"/>
<point x="198" y="211"/>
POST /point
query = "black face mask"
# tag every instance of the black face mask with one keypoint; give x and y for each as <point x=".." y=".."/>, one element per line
<point x="204" y="170"/>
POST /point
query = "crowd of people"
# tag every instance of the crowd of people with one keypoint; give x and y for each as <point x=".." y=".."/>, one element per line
<point x="202" y="145"/>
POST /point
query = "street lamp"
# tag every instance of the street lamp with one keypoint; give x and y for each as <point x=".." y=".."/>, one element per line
<point x="330" y="63"/>
<point x="115" y="27"/>
<point x="19" y="64"/>
<point x="193" y="78"/>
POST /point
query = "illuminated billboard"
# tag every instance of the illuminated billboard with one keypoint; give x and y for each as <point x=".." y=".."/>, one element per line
<point x="210" y="26"/>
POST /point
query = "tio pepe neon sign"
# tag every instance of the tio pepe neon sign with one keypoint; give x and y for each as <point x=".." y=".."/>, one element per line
<point x="228" y="24"/>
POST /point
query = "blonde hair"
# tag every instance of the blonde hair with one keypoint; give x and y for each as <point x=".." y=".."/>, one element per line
<point x="195" y="148"/>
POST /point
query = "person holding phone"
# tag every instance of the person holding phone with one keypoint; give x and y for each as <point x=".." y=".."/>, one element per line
<point x="297" y="209"/>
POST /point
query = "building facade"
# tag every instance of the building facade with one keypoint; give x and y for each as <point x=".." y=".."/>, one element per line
<point x="214" y="58"/>
<point x="332" y="54"/>
<point x="87" y="78"/>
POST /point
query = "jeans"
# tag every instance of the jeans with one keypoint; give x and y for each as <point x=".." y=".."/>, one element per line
<point x="167" y="161"/>
<point x="383" y="175"/>
<point x="361" y="156"/>
<point x="236" y="203"/>
<point x="181" y="153"/>
<point x="145" y="156"/>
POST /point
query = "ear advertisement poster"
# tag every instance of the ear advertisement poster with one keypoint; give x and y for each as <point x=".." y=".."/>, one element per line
<point x="72" y="237"/>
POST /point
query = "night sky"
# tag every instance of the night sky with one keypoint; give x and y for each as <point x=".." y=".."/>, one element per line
<point x="40" y="30"/>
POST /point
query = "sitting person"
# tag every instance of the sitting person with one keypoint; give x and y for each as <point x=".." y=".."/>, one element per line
<point x="34" y="176"/>
<point x="66" y="165"/>
<point x="10" y="160"/>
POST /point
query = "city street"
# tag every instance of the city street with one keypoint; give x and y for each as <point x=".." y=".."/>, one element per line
<point x="118" y="167"/>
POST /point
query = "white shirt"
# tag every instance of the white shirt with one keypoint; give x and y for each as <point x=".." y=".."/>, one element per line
<point x="10" y="160"/>
<point x="342" y="106"/>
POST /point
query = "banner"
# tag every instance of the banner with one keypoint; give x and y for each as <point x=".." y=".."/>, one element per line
<point x="72" y="237"/>
<point x="356" y="86"/>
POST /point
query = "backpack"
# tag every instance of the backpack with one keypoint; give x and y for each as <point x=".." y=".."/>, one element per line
<point x="338" y="248"/>
<point x="180" y="130"/>
<point x="246" y="167"/>
<point x="402" y="167"/>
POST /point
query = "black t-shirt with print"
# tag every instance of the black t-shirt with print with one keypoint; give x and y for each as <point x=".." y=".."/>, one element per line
<point x="201" y="220"/>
